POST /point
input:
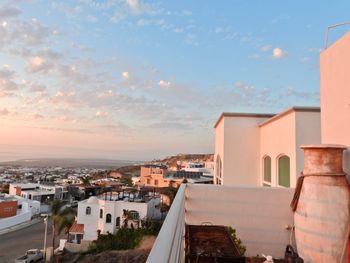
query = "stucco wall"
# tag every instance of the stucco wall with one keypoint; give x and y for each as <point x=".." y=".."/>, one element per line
<point x="15" y="220"/>
<point x="308" y="131"/>
<point x="259" y="214"/>
<point x="241" y="146"/>
<point x="335" y="94"/>
<point x="278" y="138"/>
<point x="219" y="149"/>
<point x="284" y="136"/>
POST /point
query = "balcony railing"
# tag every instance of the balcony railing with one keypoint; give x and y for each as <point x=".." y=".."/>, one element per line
<point x="259" y="214"/>
<point x="169" y="245"/>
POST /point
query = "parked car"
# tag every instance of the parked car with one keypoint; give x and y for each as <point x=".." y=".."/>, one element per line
<point x="31" y="256"/>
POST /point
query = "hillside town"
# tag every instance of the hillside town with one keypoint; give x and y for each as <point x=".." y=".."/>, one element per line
<point x="100" y="199"/>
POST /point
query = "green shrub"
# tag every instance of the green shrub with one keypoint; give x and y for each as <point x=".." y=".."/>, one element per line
<point x="125" y="238"/>
<point x="237" y="240"/>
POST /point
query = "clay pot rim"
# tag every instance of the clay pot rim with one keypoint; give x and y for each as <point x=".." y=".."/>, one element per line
<point x="323" y="146"/>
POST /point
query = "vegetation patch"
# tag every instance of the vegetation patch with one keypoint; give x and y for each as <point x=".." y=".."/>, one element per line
<point x="125" y="238"/>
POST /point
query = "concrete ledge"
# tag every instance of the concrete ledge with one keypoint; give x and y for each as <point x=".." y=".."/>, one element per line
<point x="20" y="226"/>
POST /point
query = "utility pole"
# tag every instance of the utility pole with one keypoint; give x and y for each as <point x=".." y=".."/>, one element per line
<point x="45" y="237"/>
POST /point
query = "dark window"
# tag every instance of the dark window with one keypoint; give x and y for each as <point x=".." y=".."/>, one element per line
<point x="88" y="210"/>
<point x="108" y="218"/>
<point x="101" y="213"/>
<point x="134" y="215"/>
<point x="117" y="223"/>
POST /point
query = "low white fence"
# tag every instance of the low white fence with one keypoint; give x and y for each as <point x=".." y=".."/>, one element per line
<point x="169" y="245"/>
<point x="15" y="220"/>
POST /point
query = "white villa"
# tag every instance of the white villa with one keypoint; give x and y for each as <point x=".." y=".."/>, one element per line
<point x="39" y="192"/>
<point x="105" y="214"/>
<point x="263" y="149"/>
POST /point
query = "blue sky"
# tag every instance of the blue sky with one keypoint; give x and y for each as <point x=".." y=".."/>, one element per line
<point x="137" y="79"/>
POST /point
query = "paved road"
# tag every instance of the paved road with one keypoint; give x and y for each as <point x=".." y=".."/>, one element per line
<point x="15" y="244"/>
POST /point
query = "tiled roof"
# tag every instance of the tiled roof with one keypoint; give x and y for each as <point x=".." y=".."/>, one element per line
<point x="76" y="228"/>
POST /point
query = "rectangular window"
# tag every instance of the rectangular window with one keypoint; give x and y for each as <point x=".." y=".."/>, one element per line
<point x="156" y="182"/>
<point x="148" y="181"/>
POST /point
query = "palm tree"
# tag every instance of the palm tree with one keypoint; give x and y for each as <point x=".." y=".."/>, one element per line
<point x="86" y="180"/>
<point x="62" y="218"/>
<point x="127" y="216"/>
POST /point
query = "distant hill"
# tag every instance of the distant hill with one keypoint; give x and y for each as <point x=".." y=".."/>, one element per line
<point x="70" y="163"/>
<point x="134" y="169"/>
<point x="172" y="160"/>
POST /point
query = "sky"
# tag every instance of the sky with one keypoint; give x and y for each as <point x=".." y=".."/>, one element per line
<point x="141" y="79"/>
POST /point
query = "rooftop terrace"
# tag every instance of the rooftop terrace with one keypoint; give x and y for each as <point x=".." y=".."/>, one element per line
<point x="260" y="216"/>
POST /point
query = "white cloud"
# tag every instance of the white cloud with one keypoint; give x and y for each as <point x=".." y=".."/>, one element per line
<point x="101" y="114"/>
<point x="38" y="64"/>
<point x="164" y="84"/>
<point x="266" y="48"/>
<point x="278" y="53"/>
<point x="59" y="94"/>
<point x="134" y="5"/>
<point x="9" y="12"/>
<point x="125" y="75"/>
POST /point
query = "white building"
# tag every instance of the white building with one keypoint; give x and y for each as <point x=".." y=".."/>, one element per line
<point x="24" y="212"/>
<point x="38" y="192"/>
<point x="263" y="149"/>
<point x="105" y="214"/>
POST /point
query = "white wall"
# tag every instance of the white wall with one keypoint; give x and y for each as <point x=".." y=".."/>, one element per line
<point x="90" y="221"/>
<point x="335" y="95"/>
<point x="219" y="147"/>
<point x="241" y="150"/>
<point x="308" y="131"/>
<point x="15" y="220"/>
<point x="259" y="214"/>
<point x="278" y="138"/>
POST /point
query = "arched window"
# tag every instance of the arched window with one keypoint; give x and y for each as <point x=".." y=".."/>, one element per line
<point x="218" y="169"/>
<point x="284" y="171"/>
<point x="108" y="218"/>
<point x="101" y="213"/>
<point x="88" y="210"/>
<point x="134" y="215"/>
<point x="117" y="221"/>
<point x="267" y="170"/>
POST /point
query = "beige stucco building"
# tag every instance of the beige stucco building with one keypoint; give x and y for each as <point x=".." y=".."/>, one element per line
<point x="263" y="149"/>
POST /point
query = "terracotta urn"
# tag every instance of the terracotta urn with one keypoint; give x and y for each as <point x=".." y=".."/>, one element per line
<point x="323" y="209"/>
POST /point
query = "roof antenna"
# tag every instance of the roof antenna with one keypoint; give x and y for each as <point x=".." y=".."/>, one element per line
<point x="332" y="26"/>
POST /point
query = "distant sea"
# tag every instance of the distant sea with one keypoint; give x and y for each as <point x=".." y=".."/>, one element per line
<point x="10" y="156"/>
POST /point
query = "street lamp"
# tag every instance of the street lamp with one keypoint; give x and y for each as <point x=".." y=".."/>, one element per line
<point x="45" y="237"/>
